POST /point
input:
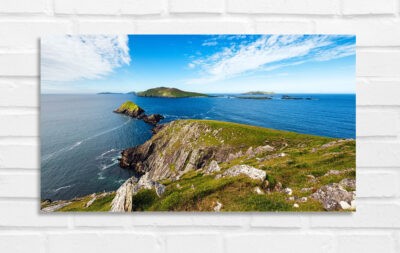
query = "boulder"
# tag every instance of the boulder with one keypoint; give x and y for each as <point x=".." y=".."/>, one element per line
<point x="288" y="191"/>
<point x="212" y="168"/>
<point x="331" y="195"/>
<point x="218" y="207"/>
<point x="247" y="170"/>
<point x="348" y="183"/>
<point x="258" y="190"/>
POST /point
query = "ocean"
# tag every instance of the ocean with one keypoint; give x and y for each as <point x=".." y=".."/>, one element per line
<point x="81" y="138"/>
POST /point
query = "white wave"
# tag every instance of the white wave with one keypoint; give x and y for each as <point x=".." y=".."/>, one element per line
<point x="105" y="153"/>
<point x="106" y="166"/>
<point x="63" y="187"/>
<point x="76" y="144"/>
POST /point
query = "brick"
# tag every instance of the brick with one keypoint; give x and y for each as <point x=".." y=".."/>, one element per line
<point x="19" y="185"/>
<point x="106" y="7"/>
<point x="377" y="123"/>
<point x="351" y="7"/>
<point x="19" y="156"/>
<point x="318" y="7"/>
<point x="368" y="215"/>
<point x="19" y="64"/>
<point x="22" y="6"/>
<point x="212" y="220"/>
<point x="369" y="32"/>
<point x="102" y="242"/>
<point x="365" y="243"/>
<point x="87" y="7"/>
<point x="378" y="93"/>
<point x="19" y="92"/>
<point x="192" y="27"/>
<point x="26" y="34"/>
<point x="377" y="154"/>
<point x="19" y="125"/>
<point x="376" y="184"/>
<point x="277" y="220"/>
<point x="277" y="242"/>
<point x="193" y="243"/>
<point x="200" y="6"/>
<point x="378" y="63"/>
<point x="142" y="7"/>
<point x="159" y="219"/>
<point x="102" y="220"/>
<point x="106" y="27"/>
<point x="22" y="243"/>
<point x="26" y="214"/>
<point x="283" y="27"/>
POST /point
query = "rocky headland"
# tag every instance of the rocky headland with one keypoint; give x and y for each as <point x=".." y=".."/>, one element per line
<point x="204" y="165"/>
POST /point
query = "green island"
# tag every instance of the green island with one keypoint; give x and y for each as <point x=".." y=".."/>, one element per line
<point x="169" y="93"/>
<point x="129" y="108"/>
<point x="207" y="165"/>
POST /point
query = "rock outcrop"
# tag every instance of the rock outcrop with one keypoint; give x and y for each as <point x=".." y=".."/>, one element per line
<point x="246" y="170"/>
<point x="133" y="110"/>
<point x="332" y="195"/>
<point x="212" y="168"/>
<point x="152" y="119"/>
<point x="122" y="201"/>
<point x="173" y="151"/>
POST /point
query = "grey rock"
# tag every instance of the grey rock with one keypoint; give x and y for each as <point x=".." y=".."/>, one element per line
<point x="247" y="170"/>
<point x="122" y="201"/>
<point x="212" y="168"/>
<point x="55" y="207"/>
<point x="348" y="183"/>
<point x="331" y="195"/>
<point x="218" y="206"/>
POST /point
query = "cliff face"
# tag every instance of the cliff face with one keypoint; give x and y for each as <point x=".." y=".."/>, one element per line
<point x="180" y="146"/>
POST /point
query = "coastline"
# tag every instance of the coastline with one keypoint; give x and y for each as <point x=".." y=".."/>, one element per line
<point x="163" y="173"/>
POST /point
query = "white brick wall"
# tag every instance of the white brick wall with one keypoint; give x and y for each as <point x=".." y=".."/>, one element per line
<point x="375" y="227"/>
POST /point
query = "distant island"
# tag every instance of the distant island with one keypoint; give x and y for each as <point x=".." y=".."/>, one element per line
<point x="286" y="97"/>
<point x="169" y="93"/>
<point x="107" y="93"/>
<point x="254" y="97"/>
<point x="258" y="93"/>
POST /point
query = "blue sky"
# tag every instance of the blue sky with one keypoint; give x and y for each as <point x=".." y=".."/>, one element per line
<point x="202" y="63"/>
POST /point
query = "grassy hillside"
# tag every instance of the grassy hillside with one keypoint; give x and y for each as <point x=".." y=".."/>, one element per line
<point x="303" y="163"/>
<point x="169" y="93"/>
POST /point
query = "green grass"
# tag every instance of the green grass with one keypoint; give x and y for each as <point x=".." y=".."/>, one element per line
<point x="129" y="106"/>
<point x="169" y="93"/>
<point x="99" y="205"/>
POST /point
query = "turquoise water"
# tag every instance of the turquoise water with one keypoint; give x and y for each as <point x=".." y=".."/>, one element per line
<point x="81" y="138"/>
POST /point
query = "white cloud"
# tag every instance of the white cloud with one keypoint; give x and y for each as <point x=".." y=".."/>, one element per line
<point x="71" y="58"/>
<point x="209" y="43"/>
<point x="267" y="53"/>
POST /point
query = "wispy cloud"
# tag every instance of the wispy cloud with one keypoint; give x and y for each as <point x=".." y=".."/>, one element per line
<point x="266" y="53"/>
<point x="71" y="58"/>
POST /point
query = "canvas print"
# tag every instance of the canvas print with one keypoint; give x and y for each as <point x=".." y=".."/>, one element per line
<point x="205" y="123"/>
